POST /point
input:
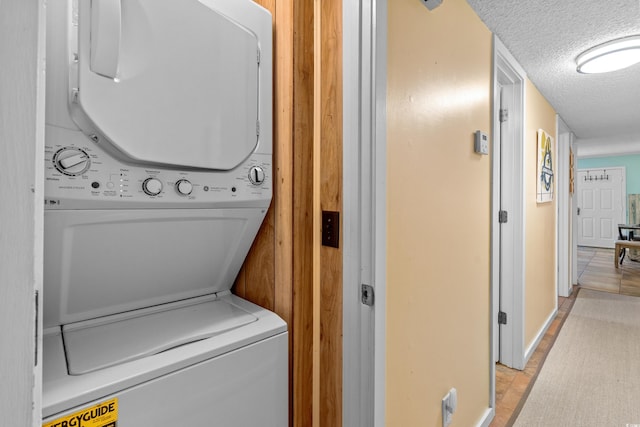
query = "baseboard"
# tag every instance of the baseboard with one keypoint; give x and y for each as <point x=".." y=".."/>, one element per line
<point x="539" y="336"/>
<point x="487" y="417"/>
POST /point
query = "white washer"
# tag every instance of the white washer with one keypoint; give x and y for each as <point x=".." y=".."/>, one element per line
<point x="158" y="169"/>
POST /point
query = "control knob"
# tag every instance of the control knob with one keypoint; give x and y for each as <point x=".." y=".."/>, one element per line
<point x="152" y="186"/>
<point x="256" y="175"/>
<point x="184" y="187"/>
<point x="71" y="161"/>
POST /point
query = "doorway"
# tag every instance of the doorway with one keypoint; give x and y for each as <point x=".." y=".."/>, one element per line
<point x="601" y="205"/>
<point x="508" y="238"/>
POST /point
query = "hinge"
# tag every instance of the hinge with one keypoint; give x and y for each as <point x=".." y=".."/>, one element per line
<point x="367" y="295"/>
<point x="258" y="57"/>
<point x="504" y="115"/>
<point x="503" y="217"/>
<point x="502" y="318"/>
<point x="258" y="128"/>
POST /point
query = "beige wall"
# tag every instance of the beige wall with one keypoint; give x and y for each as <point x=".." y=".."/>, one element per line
<point x="540" y="247"/>
<point x="438" y="207"/>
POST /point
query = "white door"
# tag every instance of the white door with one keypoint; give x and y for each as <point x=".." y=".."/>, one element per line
<point x="601" y="206"/>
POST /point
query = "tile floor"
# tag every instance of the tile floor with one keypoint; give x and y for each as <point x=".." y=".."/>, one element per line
<point x="596" y="270"/>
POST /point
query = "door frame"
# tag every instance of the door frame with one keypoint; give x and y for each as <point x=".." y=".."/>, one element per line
<point x="507" y="72"/>
<point x="564" y="257"/>
<point x="364" y="227"/>
<point x="22" y="84"/>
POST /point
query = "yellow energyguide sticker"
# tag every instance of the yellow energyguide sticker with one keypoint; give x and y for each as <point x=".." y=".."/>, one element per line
<point x="104" y="414"/>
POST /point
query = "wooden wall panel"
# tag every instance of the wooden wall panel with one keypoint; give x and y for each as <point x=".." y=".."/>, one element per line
<point x="279" y="271"/>
<point x="303" y="213"/>
<point x="331" y="200"/>
<point x="283" y="174"/>
<point x="258" y="276"/>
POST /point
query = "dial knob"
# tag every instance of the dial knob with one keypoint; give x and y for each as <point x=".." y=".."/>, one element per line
<point x="71" y="161"/>
<point x="152" y="186"/>
<point x="184" y="187"/>
<point x="256" y="175"/>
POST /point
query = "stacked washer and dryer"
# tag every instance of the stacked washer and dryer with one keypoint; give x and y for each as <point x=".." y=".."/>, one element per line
<point x="158" y="171"/>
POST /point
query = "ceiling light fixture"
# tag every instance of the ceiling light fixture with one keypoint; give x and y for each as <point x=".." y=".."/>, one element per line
<point x="610" y="56"/>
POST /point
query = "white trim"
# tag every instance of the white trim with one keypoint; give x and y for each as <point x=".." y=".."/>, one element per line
<point x="38" y="260"/>
<point x="487" y="417"/>
<point x="352" y="329"/>
<point x="22" y="86"/>
<point x="563" y="281"/>
<point x="364" y="211"/>
<point x="540" y="335"/>
<point x="574" y="216"/>
<point x="508" y="73"/>
<point x="379" y="21"/>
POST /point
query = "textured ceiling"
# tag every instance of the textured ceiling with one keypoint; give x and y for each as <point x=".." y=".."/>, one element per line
<point x="546" y="36"/>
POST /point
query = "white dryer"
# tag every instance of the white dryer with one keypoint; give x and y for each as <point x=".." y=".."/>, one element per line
<point x="158" y="170"/>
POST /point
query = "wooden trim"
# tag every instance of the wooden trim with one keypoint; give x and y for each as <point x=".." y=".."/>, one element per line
<point x="303" y="212"/>
<point x="331" y="199"/>
<point x="283" y="178"/>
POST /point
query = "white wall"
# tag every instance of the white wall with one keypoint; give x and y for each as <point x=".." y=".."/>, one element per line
<point x="21" y="209"/>
<point x="603" y="147"/>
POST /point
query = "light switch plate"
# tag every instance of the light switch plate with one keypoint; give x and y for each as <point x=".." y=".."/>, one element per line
<point x="331" y="229"/>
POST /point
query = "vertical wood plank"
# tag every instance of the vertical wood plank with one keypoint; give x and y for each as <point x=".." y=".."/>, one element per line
<point x="259" y="267"/>
<point x="331" y="199"/>
<point x="239" y="286"/>
<point x="283" y="164"/>
<point x="283" y="178"/>
<point x="303" y="194"/>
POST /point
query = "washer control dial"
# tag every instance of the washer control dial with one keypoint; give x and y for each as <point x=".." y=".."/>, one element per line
<point x="256" y="175"/>
<point x="184" y="187"/>
<point x="71" y="161"/>
<point x="152" y="186"/>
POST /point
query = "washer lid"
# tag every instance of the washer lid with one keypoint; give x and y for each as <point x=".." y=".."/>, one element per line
<point x="167" y="82"/>
<point x="112" y="340"/>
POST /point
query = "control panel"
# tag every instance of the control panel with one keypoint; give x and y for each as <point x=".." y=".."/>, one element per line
<point x="80" y="175"/>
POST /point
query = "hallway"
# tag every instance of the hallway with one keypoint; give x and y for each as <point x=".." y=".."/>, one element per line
<point x="595" y="271"/>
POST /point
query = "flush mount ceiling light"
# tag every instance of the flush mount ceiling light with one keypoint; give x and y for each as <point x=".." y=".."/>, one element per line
<point x="610" y="56"/>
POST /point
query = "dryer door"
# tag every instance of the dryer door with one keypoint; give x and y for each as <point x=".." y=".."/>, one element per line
<point x="167" y="82"/>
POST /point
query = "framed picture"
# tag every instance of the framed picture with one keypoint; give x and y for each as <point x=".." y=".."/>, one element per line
<point x="545" y="178"/>
<point x="571" y="170"/>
